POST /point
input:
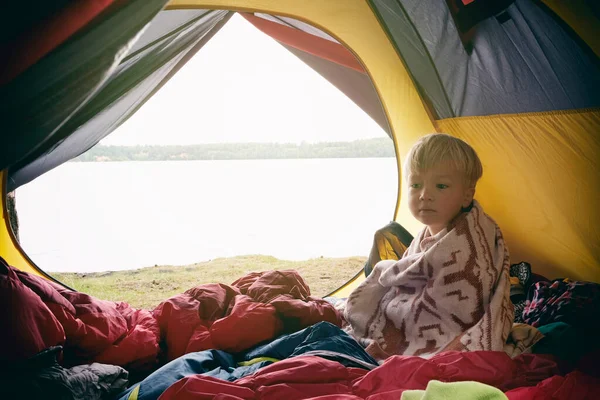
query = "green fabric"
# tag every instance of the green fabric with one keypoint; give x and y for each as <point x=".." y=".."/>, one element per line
<point x="565" y="341"/>
<point x="257" y="360"/>
<point x="469" y="390"/>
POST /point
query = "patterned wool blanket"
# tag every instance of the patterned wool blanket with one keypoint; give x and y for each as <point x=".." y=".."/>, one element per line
<point x="450" y="291"/>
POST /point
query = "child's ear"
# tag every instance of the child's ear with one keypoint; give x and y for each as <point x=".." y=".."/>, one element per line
<point x="469" y="194"/>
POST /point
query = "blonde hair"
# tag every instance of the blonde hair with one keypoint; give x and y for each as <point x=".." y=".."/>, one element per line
<point x="439" y="147"/>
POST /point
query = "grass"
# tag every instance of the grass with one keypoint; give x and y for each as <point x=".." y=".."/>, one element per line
<point x="147" y="287"/>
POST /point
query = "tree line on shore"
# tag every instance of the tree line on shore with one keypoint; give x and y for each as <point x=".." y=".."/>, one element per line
<point x="365" y="148"/>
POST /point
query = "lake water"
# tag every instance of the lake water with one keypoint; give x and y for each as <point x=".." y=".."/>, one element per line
<point x="88" y="217"/>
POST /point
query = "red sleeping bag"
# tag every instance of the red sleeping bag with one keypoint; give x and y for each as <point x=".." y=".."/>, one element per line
<point x="43" y="314"/>
<point x="254" y="309"/>
<point x="528" y="376"/>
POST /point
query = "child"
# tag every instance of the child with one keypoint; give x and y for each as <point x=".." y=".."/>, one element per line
<point x="450" y="290"/>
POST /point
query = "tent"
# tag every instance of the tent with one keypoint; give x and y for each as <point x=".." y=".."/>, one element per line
<point x="517" y="79"/>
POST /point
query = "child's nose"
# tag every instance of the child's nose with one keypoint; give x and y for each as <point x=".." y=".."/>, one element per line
<point x="426" y="194"/>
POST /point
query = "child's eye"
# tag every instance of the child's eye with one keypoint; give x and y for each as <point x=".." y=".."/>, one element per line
<point x="415" y="185"/>
<point x="441" y="186"/>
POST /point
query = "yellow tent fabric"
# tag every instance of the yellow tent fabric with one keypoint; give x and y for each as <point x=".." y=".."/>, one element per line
<point x="580" y="17"/>
<point x="540" y="184"/>
<point x="541" y="170"/>
<point x="10" y="249"/>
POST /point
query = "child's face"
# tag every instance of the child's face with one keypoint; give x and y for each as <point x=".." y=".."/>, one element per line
<point x="437" y="195"/>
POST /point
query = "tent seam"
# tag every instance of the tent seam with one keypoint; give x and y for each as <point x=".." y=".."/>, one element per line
<point x="527" y="114"/>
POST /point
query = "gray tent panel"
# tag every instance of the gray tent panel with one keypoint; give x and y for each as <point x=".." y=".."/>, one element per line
<point x="134" y="81"/>
<point x="525" y="61"/>
<point x="415" y="54"/>
<point x="43" y="98"/>
<point x="356" y="85"/>
<point x="165" y="23"/>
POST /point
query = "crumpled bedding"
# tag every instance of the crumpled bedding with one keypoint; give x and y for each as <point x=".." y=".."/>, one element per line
<point x="527" y="376"/>
<point x="323" y="339"/>
<point x="251" y="311"/>
<point x="574" y="302"/>
<point x="41" y="377"/>
<point x="255" y="308"/>
<point x="44" y="314"/>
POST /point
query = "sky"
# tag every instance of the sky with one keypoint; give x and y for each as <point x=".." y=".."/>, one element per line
<point x="242" y="86"/>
